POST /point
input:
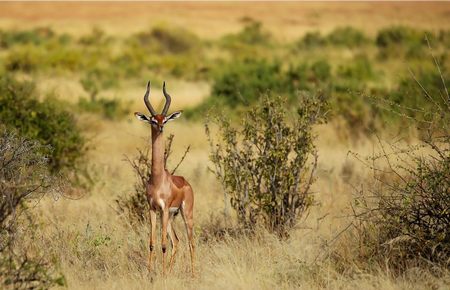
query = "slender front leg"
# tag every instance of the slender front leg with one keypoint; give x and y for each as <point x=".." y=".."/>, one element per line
<point x="152" y="238"/>
<point x="165" y="220"/>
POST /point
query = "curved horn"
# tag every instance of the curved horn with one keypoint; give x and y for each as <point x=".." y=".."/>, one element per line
<point x="147" y="102"/>
<point x="168" y="100"/>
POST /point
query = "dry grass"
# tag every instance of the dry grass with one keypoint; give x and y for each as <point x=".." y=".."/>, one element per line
<point x="212" y="20"/>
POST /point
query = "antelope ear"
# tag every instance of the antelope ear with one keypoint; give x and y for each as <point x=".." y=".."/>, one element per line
<point x="142" y="117"/>
<point x="172" y="116"/>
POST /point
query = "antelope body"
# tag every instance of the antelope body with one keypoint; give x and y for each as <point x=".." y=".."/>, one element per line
<point x="166" y="193"/>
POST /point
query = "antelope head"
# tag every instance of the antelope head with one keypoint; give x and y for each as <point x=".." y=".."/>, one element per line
<point x="157" y="120"/>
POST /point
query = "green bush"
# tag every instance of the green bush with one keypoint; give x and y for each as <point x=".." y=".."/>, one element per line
<point x="25" y="58"/>
<point x="263" y="164"/>
<point x="110" y="109"/>
<point x="321" y="70"/>
<point x="243" y="82"/>
<point x="37" y="36"/>
<point x="172" y="40"/>
<point x="341" y="36"/>
<point x="400" y="41"/>
<point x="399" y="35"/>
<point x="347" y="36"/>
<point x="43" y="121"/>
<point x="404" y="218"/>
<point x="252" y="34"/>
<point x="359" y="69"/>
<point x="312" y="40"/>
<point x="409" y="94"/>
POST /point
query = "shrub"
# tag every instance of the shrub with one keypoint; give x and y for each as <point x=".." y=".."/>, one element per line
<point x="312" y="40"/>
<point x="321" y="70"/>
<point x="252" y="34"/>
<point x="398" y="41"/>
<point x="399" y="35"/>
<point x="172" y="40"/>
<point x="96" y="37"/>
<point x="347" y="36"/>
<point x="135" y="206"/>
<point x="24" y="174"/>
<point x="358" y="69"/>
<point x="27" y="59"/>
<point x="263" y="166"/>
<point x="43" y="121"/>
<point x="243" y="82"/>
<point x="110" y="109"/>
<point x="404" y="220"/>
<point x="36" y="36"/>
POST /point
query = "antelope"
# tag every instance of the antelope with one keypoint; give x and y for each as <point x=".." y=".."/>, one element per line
<point x="166" y="193"/>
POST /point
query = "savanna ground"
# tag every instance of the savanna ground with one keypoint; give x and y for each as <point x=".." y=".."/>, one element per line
<point x="105" y="51"/>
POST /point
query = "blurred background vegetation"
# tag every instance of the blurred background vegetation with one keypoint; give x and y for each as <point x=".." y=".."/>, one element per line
<point x="60" y="91"/>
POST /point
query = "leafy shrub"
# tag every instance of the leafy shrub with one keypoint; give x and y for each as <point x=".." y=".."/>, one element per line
<point x="110" y="109"/>
<point x="341" y="36"/>
<point x="27" y="59"/>
<point x="43" y="121"/>
<point x="263" y="166"/>
<point x="96" y="37"/>
<point x="243" y="82"/>
<point x="321" y="70"/>
<point x="417" y="91"/>
<point x="135" y="205"/>
<point x="359" y="69"/>
<point x="163" y="39"/>
<point x="347" y="36"/>
<point x="399" y="35"/>
<point x="404" y="222"/>
<point x="24" y="174"/>
<point x="36" y="36"/>
<point x="400" y="41"/>
<point x="252" y="34"/>
<point x="312" y="40"/>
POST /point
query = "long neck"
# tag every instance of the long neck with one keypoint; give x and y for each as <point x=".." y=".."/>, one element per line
<point x="158" y="170"/>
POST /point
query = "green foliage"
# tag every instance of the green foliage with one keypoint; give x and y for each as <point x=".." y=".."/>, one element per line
<point x="252" y="34"/>
<point x="311" y="40"/>
<point x="359" y="69"/>
<point x="414" y="95"/>
<point x="43" y="121"/>
<point x="26" y="59"/>
<point x="321" y="70"/>
<point x="399" y="35"/>
<point x="341" y="36"/>
<point x="347" y="36"/>
<point x="399" y="41"/>
<point x="96" y="37"/>
<point x="37" y="36"/>
<point x="169" y="40"/>
<point x="110" y="109"/>
<point x="244" y="82"/>
<point x="409" y="201"/>
<point x="24" y="175"/>
<point x="264" y="165"/>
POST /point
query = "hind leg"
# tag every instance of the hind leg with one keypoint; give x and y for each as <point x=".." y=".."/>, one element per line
<point x="174" y="241"/>
<point x="152" y="238"/>
<point x="189" y="224"/>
